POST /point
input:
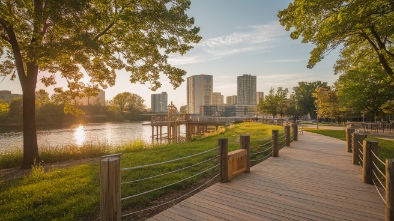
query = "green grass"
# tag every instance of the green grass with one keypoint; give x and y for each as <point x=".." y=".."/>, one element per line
<point x="386" y="147"/>
<point x="73" y="194"/>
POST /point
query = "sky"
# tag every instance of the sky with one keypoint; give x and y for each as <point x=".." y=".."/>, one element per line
<point x="238" y="37"/>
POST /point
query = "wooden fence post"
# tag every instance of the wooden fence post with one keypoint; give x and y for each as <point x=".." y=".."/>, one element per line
<point x="287" y="132"/>
<point x="295" y="131"/>
<point x="223" y="159"/>
<point x="349" y="132"/>
<point x="245" y="144"/>
<point x="368" y="147"/>
<point x="357" y="140"/>
<point x="275" y="146"/>
<point x="110" y="201"/>
<point x="389" y="189"/>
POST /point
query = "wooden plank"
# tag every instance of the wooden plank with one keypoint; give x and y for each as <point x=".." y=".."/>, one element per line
<point x="313" y="180"/>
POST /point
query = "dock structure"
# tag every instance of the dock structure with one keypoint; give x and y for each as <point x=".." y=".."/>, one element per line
<point x="167" y="127"/>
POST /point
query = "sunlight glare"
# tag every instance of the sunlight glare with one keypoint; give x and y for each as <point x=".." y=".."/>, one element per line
<point x="79" y="135"/>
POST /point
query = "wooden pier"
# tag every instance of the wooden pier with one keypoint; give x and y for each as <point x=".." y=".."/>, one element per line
<point x="167" y="127"/>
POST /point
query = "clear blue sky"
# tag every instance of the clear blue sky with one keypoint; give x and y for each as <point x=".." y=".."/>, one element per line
<point x="239" y="37"/>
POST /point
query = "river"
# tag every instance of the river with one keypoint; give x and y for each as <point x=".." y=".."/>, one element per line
<point x="93" y="133"/>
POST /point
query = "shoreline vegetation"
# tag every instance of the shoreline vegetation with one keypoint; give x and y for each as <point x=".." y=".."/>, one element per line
<point x="72" y="193"/>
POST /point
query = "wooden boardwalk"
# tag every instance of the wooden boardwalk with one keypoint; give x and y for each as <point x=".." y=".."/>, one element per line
<point x="313" y="179"/>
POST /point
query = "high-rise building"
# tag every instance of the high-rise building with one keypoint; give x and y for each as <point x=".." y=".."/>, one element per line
<point x="159" y="102"/>
<point x="199" y="92"/>
<point x="259" y="96"/>
<point x="231" y="100"/>
<point x="217" y="98"/>
<point x="246" y="90"/>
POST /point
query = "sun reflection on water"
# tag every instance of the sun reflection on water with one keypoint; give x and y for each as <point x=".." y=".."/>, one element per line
<point x="79" y="135"/>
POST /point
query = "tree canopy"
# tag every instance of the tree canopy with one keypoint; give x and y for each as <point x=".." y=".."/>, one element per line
<point x="303" y="94"/>
<point x="359" y="26"/>
<point x="41" y="40"/>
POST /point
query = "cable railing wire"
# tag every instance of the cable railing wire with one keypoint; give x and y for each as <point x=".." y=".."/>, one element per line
<point x="170" y="172"/>
<point x="381" y="183"/>
<point x="377" y="168"/>
<point x="260" y="152"/>
<point x="376" y="157"/>
<point x="168" y="185"/>
<point x="173" y="200"/>
<point x="169" y="161"/>
<point x="378" y="191"/>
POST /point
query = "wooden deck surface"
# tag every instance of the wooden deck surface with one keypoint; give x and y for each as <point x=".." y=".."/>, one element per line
<point x="313" y="179"/>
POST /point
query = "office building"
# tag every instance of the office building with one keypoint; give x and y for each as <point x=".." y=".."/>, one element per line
<point x="246" y="90"/>
<point x="8" y="96"/>
<point x="159" y="103"/>
<point x="259" y="96"/>
<point x="199" y="92"/>
<point x="231" y="100"/>
<point x="217" y="98"/>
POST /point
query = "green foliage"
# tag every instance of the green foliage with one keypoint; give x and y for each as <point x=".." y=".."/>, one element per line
<point x="274" y="103"/>
<point x="365" y="88"/>
<point x="126" y="106"/>
<point x="327" y="102"/>
<point x="358" y="26"/>
<point x="15" y="112"/>
<point x="304" y="97"/>
<point x="4" y="109"/>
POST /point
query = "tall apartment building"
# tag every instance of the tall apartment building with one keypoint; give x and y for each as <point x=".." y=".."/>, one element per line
<point x="217" y="98"/>
<point x="246" y="90"/>
<point x="259" y="96"/>
<point x="159" y="102"/>
<point x="199" y="92"/>
<point x="231" y="100"/>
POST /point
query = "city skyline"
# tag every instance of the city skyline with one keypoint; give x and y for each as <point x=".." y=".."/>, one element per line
<point x="238" y="38"/>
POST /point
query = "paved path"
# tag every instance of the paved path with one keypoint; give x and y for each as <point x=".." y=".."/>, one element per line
<point x="313" y="179"/>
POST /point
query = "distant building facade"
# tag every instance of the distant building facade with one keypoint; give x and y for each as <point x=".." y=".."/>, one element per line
<point x="217" y="98"/>
<point x="199" y="92"/>
<point x="259" y="96"/>
<point x="99" y="99"/>
<point x="229" y="110"/>
<point x="231" y="100"/>
<point x="8" y="96"/>
<point x="246" y="90"/>
<point x="159" y="102"/>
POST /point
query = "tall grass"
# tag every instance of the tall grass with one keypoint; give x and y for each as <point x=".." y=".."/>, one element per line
<point x="73" y="193"/>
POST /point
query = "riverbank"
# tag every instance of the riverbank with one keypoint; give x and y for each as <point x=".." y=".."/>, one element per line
<point x="72" y="193"/>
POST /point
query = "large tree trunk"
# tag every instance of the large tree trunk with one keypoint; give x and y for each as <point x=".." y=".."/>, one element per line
<point x="30" y="147"/>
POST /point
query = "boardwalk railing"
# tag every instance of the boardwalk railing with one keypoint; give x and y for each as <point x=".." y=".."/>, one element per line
<point x="374" y="170"/>
<point x="229" y="164"/>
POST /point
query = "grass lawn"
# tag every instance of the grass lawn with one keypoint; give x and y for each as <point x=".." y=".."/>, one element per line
<point x="386" y="147"/>
<point x="73" y="193"/>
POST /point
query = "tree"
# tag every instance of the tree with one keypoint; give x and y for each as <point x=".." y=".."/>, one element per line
<point x="327" y="102"/>
<point x="274" y="103"/>
<point x="365" y="88"/>
<point x="39" y="39"/>
<point x="4" y="109"/>
<point x="303" y="94"/>
<point x="353" y="24"/>
<point x="42" y="98"/>
<point x="127" y="106"/>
